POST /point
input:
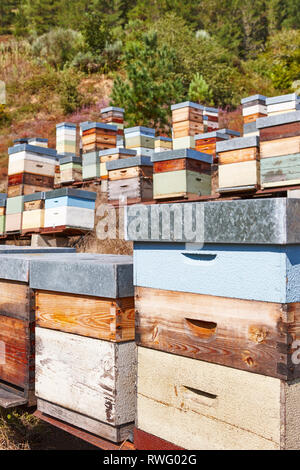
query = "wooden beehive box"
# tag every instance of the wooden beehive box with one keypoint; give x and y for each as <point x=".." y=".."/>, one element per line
<point x="98" y="136"/>
<point x="66" y="135"/>
<point x="206" y="143"/>
<point x="199" y="405"/>
<point x="14" y="210"/>
<point x="162" y="144"/>
<point x="210" y="119"/>
<point x="180" y="173"/>
<point x="17" y="325"/>
<point x="70" y="169"/>
<point x="85" y="319"/>
<point x="34" y="212"/>
<point x="280" y="149"/>
<point x="38" y="141"/>
<point x="254" y="107"/>
<point x="131" y="178"/>
<point x="69" y="208"/>
<point x="238" y="164"/>
<point x="3" y="198"/>
<point x="283" y="104"/>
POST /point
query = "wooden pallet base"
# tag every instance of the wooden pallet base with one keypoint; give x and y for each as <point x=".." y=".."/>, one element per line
<point x="85" y="436"/>
<point x="146" y="441"/>
<point x="64" y="230"/>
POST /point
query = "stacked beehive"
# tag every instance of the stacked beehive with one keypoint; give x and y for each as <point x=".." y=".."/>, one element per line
<point x="210" y="119"/>
<point x="181" y="173"/>
<point x="14" y="210"/>
<point x="85" y="351"/>
<point x="239" y="165"/>
<point x="34" y="213"/>
<point x="98" y="136"/>
<point x="218" y="341"/>
<point x="254" y="107"/>
<point x="280" y="150"/>
<point x="30" y="169"/>
<point x="17" y="324"/>
<point x="69" y="208"/>
<point x="91" y="165"/>
<point x="115" y="116"/>
<point x="283" y="104"/>
<point x="38" y="141"/>
<point x="66" y="138"/>
<point x="3" y="198"/>
<point x="163" y="144"/>
<point x="130" y="179"/>
<point x="70" y="169"/>
<point x="141" y="139"/>
<point x="187" y="121"/>
<point x="113" y="154"/>
<point x="207" y="143"/>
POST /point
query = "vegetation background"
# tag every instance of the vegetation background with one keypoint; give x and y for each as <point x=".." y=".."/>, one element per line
<point x="65" y="59"/>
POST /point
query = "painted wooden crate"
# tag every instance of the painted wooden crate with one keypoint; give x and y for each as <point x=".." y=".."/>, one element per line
<point x="210" y="119"/>
<point x="162" y="144"/>
<point x="14" y="209"/>
<point x="115" y="154"/>
<point x="238" y="163"/>
<point x="70" y="169"/>
<point x="198" y="405"/>
<point x="98" y="136"/>
<point x="130" y="178"/>
<point x="187" y="111"/>
<point x="244" y="334"/>
<point x="112" y="114"/>
<point x="184" y="143"/>
<point x="17" y="325"/>
<point x="206" y="143"/>
<point x="187" y="128"/>
<point x="135" y="139"/>
<point x="66" y="138"/>
<point x="3" y="198"/>
<point x="280" y="171"/>
<point x="239" y="249"/>
<point x="34" y="212"/>
<point x="31" y="159"/>
<point x="180" y="173"/>
<point x="283" y="104"/>
<point x="91" y="165"/>
<point x="254" y="107"/>
<point x="85" y="316"/>
<point x="70" y="208"/>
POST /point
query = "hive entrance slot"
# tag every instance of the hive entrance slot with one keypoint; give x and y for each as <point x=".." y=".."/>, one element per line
<point x="204" y="329"/>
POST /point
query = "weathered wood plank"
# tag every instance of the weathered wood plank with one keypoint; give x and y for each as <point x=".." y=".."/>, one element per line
<point x="133" y="172"/>
<point x="248" y="335"/>
<point x="112" y="433"/>
<point x="111" y="320"/>
<point x="236" y="156"/>
<point x="239" y="174"/>
<point x="280" y="132"/>
<point x="278" y="147"/>
<point x="89" y="376"/>
<point x="182" y="164"/>
<point x="17" y="346"/>
<point x="199" y="405"/>
<point x="16" y="299"/>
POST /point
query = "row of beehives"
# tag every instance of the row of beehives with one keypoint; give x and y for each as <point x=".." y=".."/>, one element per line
<point x="60" y="209"/>
<point x="67" y="337"/>
<point x="217" y="328"/>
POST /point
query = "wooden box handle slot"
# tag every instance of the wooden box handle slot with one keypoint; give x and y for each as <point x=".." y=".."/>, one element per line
<point x="203" y="329"/>
<point x="196" y="256"/>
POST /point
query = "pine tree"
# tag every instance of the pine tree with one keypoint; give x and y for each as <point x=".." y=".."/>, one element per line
<point x="150" y="86"/>
<point x="7" y="15"/>
<point x="41" y="15"/>
<point x="199" y="90"/>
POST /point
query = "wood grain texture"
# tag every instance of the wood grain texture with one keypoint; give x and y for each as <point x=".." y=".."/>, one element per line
<point x="199" y="405"/>
<point x="17" y="346"/>
<point x="187" y="114"/>
<point x="131" y="172"/>
<point x="280" y="170"/>
<point x="16" y="300"/>
<point x="253" y="117"/>
<point x="280" y="132"/>
<point x="34" y="205"/>
<point x="236" y="156"/>
<point x="87" y="316"/>
<point x="31" y="179"/>
<point x="24" y="189"/>
<point x="182" y="164"/>
<point x="248" y="335"/>
<point x="89" y="376"/>
<point x="278" y="147"/>
<point x="187" y="128"/>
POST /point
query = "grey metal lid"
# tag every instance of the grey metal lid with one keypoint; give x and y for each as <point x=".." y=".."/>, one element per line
<point x="187" y="104"/>
<point x="128" y="163"/>
<point x="274" y="221"/>
<point x="33" y="149"/>
<point x="238" y="143"/>
<point x="282" y="98"/>
<point x="98" y="125"/>
<point x="278" y="120"/>
<point x="40" y="196"/>
<point x="109" y="276"/>
<point x="254" y="98"/>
